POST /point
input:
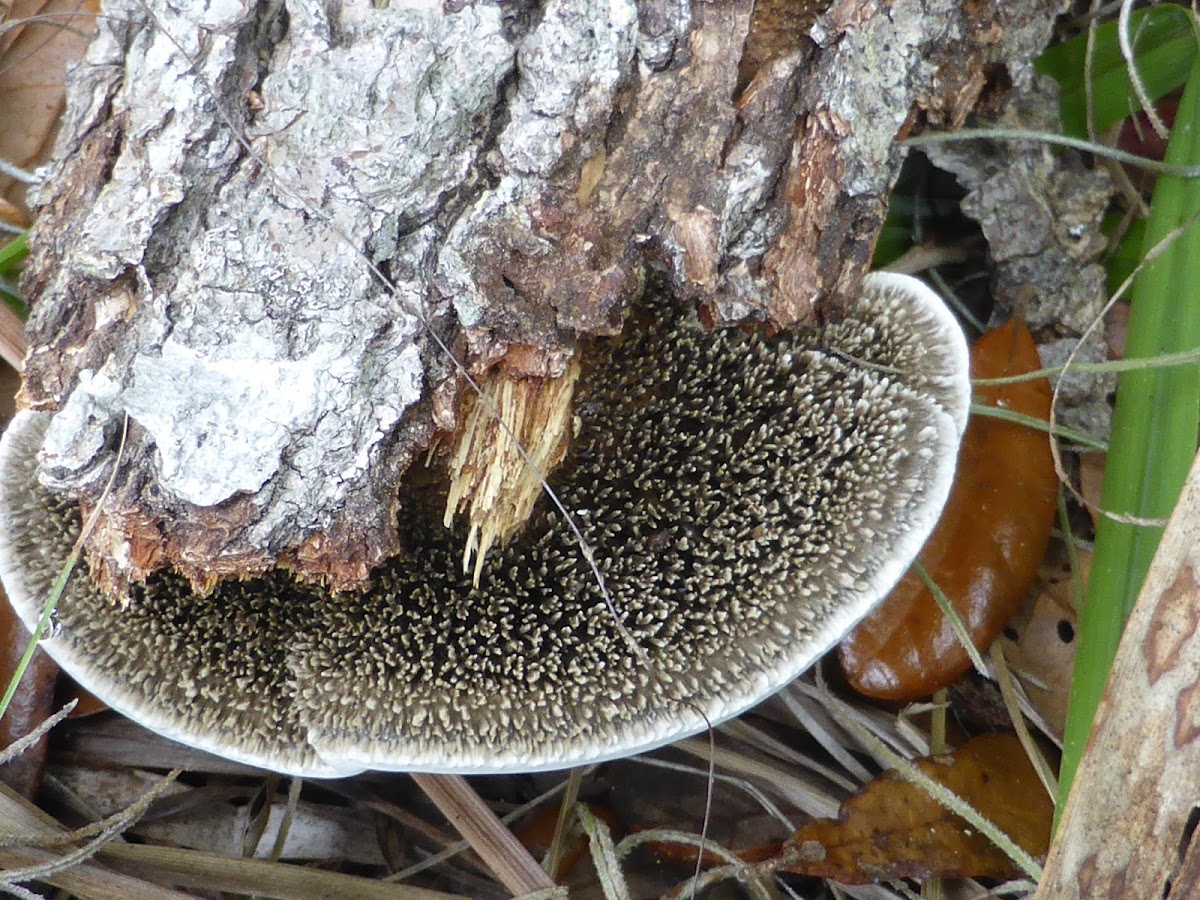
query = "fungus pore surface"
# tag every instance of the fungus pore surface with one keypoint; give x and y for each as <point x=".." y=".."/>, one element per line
<point x="748" y="499"/>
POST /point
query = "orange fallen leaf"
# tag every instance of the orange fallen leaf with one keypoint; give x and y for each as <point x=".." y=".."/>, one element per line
<point x="894" y="829"/>
<point x="986" y="548"/>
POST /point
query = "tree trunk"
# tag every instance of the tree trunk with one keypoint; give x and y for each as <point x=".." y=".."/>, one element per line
<point x="260" y="216"/>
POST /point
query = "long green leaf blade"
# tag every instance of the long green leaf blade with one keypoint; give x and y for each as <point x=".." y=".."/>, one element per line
<point x="1164" y="45"/>
<point x="1154" y="428"/>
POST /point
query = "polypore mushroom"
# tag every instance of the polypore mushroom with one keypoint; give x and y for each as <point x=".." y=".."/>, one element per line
<point x="748" y="499"/>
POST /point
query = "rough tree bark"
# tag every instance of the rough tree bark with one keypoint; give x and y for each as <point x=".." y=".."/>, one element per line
<point x="511" y="168"/>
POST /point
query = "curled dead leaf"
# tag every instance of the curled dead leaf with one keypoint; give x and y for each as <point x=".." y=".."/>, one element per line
<point x="893" y="829"/>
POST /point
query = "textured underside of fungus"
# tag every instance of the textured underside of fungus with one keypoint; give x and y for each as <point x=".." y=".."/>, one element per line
<point x="748" y="499"/>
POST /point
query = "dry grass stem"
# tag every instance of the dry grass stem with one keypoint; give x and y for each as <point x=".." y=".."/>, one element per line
<point x="810" y="724"/>
<point x="745" y="733"/>
<point x="17" y="747"/>
<point x="604" y="857"/>
<point x="75" y="871"/>
<point x="1135" y="80"/>
<point x="293" y="800"/>
<point x="1012" y="703"/>
<point x="488" y="836"/>
<point x="453" y="849"/>
<point x="563" y="825"/>
<point x="806" y="796"/>
<point x="261" y="878"/>
<point x="89" y="879"/>
<point x="741" y="784"/>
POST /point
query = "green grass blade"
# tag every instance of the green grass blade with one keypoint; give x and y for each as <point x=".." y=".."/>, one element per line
<point x="1124" y="258"/>
<point x="1164" y="46"/>
<point x="1154" y="429"/>
<point x="40" y="631"/>
<point x="12" y="252"/>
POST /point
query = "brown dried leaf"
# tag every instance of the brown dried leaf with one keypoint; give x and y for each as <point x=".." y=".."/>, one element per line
<point x="1043" y="651"/>
<point x="893" y="829"/>
<point x="30" y="706"/>
<point x="86" y="703"/>
<point x="33" y="65"/>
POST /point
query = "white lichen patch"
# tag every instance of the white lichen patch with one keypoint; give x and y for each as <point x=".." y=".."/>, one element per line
<point x="260" y="348"/>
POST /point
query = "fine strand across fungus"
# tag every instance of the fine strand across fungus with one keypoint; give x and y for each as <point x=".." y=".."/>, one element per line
<point x="748" y="500"/>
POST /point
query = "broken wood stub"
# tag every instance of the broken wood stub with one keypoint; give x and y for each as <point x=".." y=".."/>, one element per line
<point x="221" y="182"/>
<point x="1139" y="766"/>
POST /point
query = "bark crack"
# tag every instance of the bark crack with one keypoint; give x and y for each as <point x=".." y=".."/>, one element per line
<point x="512" y="168"/>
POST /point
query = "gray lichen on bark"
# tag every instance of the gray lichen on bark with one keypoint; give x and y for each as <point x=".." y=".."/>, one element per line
<point x="570" y="68"/>
<point x="1041" y="211"/>
<point x="511" y="168"/>
<point x="256" y="348"/>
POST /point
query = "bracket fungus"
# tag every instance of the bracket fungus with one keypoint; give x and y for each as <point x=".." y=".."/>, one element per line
<point x="747" y="498"/>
